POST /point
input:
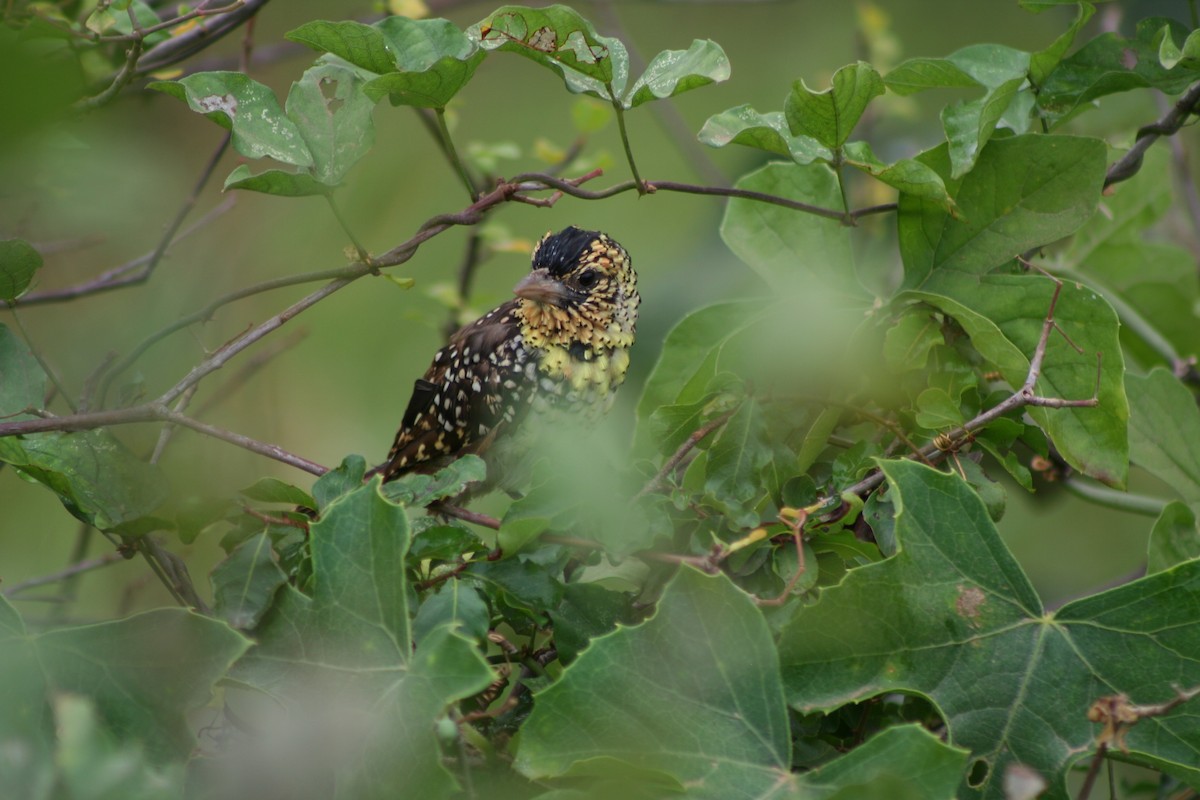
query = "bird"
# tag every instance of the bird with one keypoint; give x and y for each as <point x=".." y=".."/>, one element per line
<point x="561" y="343"/>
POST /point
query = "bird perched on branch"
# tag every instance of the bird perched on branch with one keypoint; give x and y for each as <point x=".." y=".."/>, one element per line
<point x="562" y="343"/>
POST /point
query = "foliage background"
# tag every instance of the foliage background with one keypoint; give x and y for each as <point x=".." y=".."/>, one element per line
<point x="343" y="389"/>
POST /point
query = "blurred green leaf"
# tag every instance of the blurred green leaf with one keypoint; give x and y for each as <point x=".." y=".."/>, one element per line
<point x="95" y="476"/>
<point x="1164" y="427"/>
<point x="143" y="673"/>
<point x="22" y="380"/>
<point x="431" y="540"/>
<point x="560" y="39"/>
<point x="673" y="72"/>
<point x="735" y="458"/>
<point x="745" y="126"/>
<point x="963" y="626"/>
<point x="273" y="490"/>
<point x="434" y="60"/>
<point x="245" y="583"/>
<point x="906" y="175"/>
<point x="333" y="116"/>
<point x="906" y="345"/>
<point x="690" y="353"/>
<point x="1112" y="63"/>
<point x="94" y="765"/>
<point x="785" y="248"/>
<point x="245" y="107"/>
<point x="18" y="263"/>
<point x="590" y="116"/>
<point x="1174" y="539"/>
<point x="830" y="116"/>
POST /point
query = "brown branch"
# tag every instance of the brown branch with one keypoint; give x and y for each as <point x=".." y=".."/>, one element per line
<point x="677" y="457"/>
<point x="177" y="48"/>
<point x="1167" y="125"/>
<point x="74" y="569"/>
<point x="467" y="515"/>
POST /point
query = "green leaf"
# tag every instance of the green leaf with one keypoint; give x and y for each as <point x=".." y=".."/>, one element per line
<point x="970" y="124"/>
<point x="587" y="610"/>
<point x="247" y="108"/>
<point x="334" y="118"/>
<point x="402" y="749"/>
<point x="143" y="673"/>
<point x="434" y="60"/>
<point x="1170" y="55"/>
<point x="95" y="476"/>
<point x="417" y="491"/>
<point x="739" y="452"/>
<point x="93" y="765"/>
<point x="22" y="380"/>
<point x="1112" y="63"/>
<point x="673" y="72"/>
<point x="245" y="582"/>
<point x="440" y="542"/>
<point x="906" y="175"/>
<point x="962" y="626"/>
<point x="1024" y="192"/>
<point x="273" y="490"/>
<point x="277" y="182"/>
<point x="18" y="263"/>
<point x="1043" y="62"/>
<point x="830" y="116"/>
<point x="690" y="353"/>
<point x="559" y="39"/>
<point x="521" y="583"/>
<point x="786" y="248"/>
<point x="1164" y="427"/>
<point x="905" y="761"/>
<point x="354" y="628"/>
<point x="706" y="641"/>
<point x="453" y="605"/>
<point x="745" y="126"/>
<point x="937" y="410"/>
<point x="339" y="481"/>
<point x="907" y="344"/>
<point x="918" y="74"/>
<point x="1174" y="539"/>
<point x="362" y="45"/>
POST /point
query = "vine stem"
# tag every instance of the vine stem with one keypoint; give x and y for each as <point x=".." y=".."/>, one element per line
<point x="620" y="112"/>
<point x="452" y="153"/>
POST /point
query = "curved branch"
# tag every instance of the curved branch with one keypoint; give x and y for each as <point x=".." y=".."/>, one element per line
<point x="1167" y="125"/>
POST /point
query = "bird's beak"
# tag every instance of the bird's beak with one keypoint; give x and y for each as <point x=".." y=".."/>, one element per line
<point x="540" y="287"/>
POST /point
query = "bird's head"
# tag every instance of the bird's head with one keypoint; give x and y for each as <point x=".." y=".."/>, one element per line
<point x="582" y="288"/>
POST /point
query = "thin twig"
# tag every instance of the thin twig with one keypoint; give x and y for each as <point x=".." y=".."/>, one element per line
<point x="76" y="568"/>
<point x="466" y="277"/>
<point x="46" y="368"/>
<point x="452" y="153"/>
<point x="119" y="81"/>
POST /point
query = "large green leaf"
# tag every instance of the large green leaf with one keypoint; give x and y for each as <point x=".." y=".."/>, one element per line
<point x="247" y="108"/>
<point x="362" y="45"/>
<point x="790" y="249"/>
<point x="695" y="681"/>
<point x="246" y="581"/>
<point x="955" y="619"/>
<point x="907" y="175"/>
<point x="354" y="630"/>
<point x="558" y="38"/>
<point x="143" y="673"/>
<point x="970" y="124"/>
<point x="829" y="116"/>
<point x="694" y="699"/>
<point x="1024" y="192"/>
<point x="18" y="263"/>
<point x="734" y="461"/>
<point x="673" y="72"/>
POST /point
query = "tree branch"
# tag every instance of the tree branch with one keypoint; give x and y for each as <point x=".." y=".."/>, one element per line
<point x="1167" y="125"/>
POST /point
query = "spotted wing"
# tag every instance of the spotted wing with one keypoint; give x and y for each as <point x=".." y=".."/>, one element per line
<point x="476" y="385"/>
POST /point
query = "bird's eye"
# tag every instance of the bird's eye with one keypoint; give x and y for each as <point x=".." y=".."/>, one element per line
<point x="588" y="279"/>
